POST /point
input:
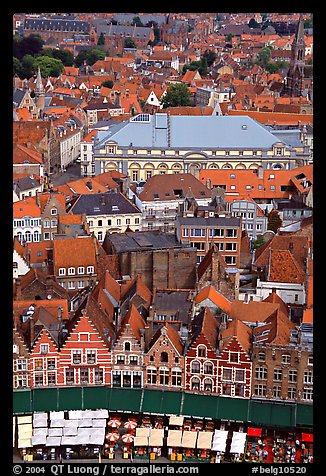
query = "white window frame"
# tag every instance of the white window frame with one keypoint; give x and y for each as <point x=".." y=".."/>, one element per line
<point x="81" y="270"/>
<point x="71" y="271"/>
<point x="62" y="271"/>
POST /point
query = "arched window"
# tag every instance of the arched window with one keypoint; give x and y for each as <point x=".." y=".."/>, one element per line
<point x="208" y="386"/>
<point x="195" y="367"/>
<point x="201" y="351"/>
<point x="208" y="368"/>
<point x="195" y="383"/>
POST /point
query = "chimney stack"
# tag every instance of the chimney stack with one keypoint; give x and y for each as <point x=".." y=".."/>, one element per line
<point x="18" y="295"/>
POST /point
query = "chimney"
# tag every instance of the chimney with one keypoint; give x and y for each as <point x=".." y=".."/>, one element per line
<point x="31" y="330"/>
<point x="142" y="339"/>
<point x="49" y="287"/>
<point x="291" y="246"/>
<point x="103" y="202"/>
<point x="18" y="295"/>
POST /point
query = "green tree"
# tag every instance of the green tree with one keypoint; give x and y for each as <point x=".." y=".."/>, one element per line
<point x="264" y="56"/>
<point x="129" y="43"/>
<point x="137" y="21"/>
<point x="27" y="67"/>
<point x="100" y="40"/>
<point x="258" y="242"/>
<point x="48" y="66"/>
<point x="253" y="23"/>
<point x="274" y="220"/>
<point x="17" y="67"/>
<point x="90" y="56"/>
<point x="210" y="57"/>
<point x="108" y="84"/>
<point x="65" y="56"/>
<point x="177" y="94"/>
<point x="29" y="45"/>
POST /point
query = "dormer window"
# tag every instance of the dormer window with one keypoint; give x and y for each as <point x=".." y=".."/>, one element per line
<point x="62" y="271"/>
<point x="71" y="271"/>
<point x="90" y="269"/>
<point x="54" y="211"/>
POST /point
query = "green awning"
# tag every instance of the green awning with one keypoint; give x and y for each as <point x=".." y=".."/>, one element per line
<point x="199" y="405"/>
<point x="304" y="416"/>
<point x="125" y="399"/>
<point x="152" y="401"/>
<point x="22" y="401"/>
<point x="232" y="408"/>
<point x="282" y="415"/>
<point x="70" y="398"/>
<point x="171" y="403"/>
<point x="45" y="399"/>
<point x="95" y="397"/>
<point x="260" y="413"/>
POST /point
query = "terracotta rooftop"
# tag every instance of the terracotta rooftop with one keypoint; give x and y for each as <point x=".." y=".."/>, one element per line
<point x="209" y="292"/>
<point x="241" y="331"/>
<point x="74" y="252"/>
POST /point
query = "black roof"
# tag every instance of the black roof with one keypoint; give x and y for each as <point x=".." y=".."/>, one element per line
<point x="142" y="240"/>
<point x="109" y="203"/>
<point x="56" y="25"/>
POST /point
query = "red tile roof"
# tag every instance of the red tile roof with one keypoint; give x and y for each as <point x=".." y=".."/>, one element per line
<point x="209" y="292"/>
<point x="74" y="252"/>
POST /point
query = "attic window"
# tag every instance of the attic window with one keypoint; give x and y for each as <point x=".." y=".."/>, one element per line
<point x="243" y="127"/>
<point x="156" y="195"/>
<point x="232" y="176"/>
<point x="167" y="194"/>
<point x="202" y="192"/>
<point x="177" y="192"/>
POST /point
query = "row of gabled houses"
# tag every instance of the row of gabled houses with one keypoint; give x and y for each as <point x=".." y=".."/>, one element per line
<point x="124" y="335"/>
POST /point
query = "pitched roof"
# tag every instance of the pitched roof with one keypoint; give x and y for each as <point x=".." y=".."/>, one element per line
<point x="284" y="268"/>
<point x="26" y="207"/>
<point x="169" y="186"/>
<point x="172" y="334"/>
<point x="209" y="292"/>
<point x="298" y="245"/>
<point x="236" y="328"/>
<point x="204" y="323"/>
<point x="74" y="252"/>
<point x="135" y="320"/>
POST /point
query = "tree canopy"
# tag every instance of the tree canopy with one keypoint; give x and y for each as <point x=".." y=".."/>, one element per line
<point x="177" y="94"/>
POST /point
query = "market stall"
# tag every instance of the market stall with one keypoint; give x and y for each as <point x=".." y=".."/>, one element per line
<point x="140" y="447"/>
<point x="25" y="435"/>
<point x="254" y="442"/>
<point x="127" y="441"/>
<point x="204" y="445"/>
<point x="176" y="420"/>
<point x="155" y="442"/>
<point x="307" y="443"/>
<point x="174" y="445"/>
<point x="219" y="444"/>
<point x="238" y="445"/>
<point x="188" y="444"/>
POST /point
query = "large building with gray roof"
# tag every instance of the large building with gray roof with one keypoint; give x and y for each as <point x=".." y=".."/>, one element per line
<point x="156" y="144"/>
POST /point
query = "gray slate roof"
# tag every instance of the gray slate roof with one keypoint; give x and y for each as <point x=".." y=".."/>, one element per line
<point x="56" y="25"/>
<point x="109" y="203"/>
<point x="25" y="183"/>
<point x="142" y="240"/>
<point x="210" y="221"/>
<point x="224" y="132"/>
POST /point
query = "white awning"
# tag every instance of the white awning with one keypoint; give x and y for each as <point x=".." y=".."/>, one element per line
<point x="174" y="438"/>
<point x="189" y="439"/>
<point x="60" y="423"/>
<point x="75" y="414"/>
<point x="40" y="419"/>
<point x="156" y="437"/>
<point x="143" y="431"/>
<point x="176" y="420"/>
<point x="69" y="440"/>
<point x="204" y="440"/>
<point x="39" y="439"/>
<point x="141" y="441"/>
<point x="71" y="423"/>
<point x="53" y="441"/>
<point x="70" y="431"/>
<point x="102" y="413"/>
<point x="57" y="415"/>
<point x="25" y="430"/>
<point x="55" y="431"/>
<point x="25" y="442"/>
<point x="85" y="423"/>
<point x="97" y="436"/>
<point x="219" y="440"/>
<point x="238" y="442"/>
<point x="83" y="435"/>
<point x="21" y="420"/>
<point x="40" y="431"/>
<point x="100" y="423"/>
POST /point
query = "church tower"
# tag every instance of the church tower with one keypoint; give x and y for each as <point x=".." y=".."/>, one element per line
<point x="295" y="76"/>
<point x="39" y="93"/>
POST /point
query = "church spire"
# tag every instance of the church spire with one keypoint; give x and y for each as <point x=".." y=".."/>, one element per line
<point x="295" y="76"/>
